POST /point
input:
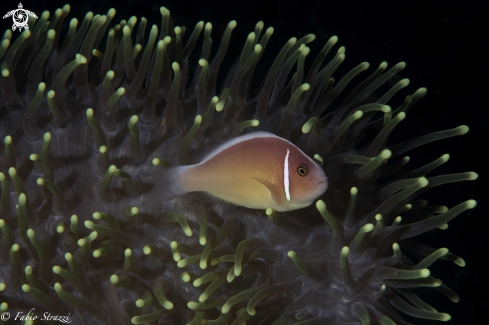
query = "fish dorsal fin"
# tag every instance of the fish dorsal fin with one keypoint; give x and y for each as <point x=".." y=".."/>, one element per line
<point x="218" y="146"/>
<point x="199" y="153"/>
<point x="277" y="194"/>
<point x="231" y="142"/>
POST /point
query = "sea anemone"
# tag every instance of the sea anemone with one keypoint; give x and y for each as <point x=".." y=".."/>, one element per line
<point x="87" y="118"/>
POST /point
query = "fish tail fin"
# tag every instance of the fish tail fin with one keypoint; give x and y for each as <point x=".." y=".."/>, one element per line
<point x="167" y="183"/>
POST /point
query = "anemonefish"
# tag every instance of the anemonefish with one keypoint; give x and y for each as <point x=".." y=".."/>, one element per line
<point x="258" y="170"/>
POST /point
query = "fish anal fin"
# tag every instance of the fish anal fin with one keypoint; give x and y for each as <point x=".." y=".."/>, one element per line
<point x="277" y="195"/>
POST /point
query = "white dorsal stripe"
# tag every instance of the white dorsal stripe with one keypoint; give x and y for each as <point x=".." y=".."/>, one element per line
<point x="249" y="136"/>
<point x="286" y="175"/>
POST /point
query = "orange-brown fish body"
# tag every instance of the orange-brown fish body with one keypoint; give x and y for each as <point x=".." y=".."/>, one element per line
<point x="258" y="170"/>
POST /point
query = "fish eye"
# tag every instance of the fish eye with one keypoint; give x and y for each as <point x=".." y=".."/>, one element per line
<point x="302" y="170"/>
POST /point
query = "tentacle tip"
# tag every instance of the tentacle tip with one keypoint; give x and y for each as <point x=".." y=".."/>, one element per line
<point x="423" y="182"/>
<point x="422" y="91"/>
<point x="30" y="233"/>
<point x="473" y="176"/>
<point x="464" y="129"/>
<point x="73" y="23"/>
<point x="401" y="65"/>
<point x="114" y="279"/>
<point x="89" y="224"/>
<point x="58" y="287"/>
<point x="424" y="273"/>
<point x="133" y="120"/>
<point x="368" y="227"/>
<point x="471" y="204"/>
<point x="357" y="115"/>
<point x="140" y="303"/>
<point x="80" y="58"/>
<point x="386" y="109"/>
<point x="111" y="13"/>
<point x="320" y="205"/>
<point x="51" y="34"/>
<point x="319" y="158"/>
<point x="460" y="262"/>
<point x="146" y="250"/>
<point x="386" y="154"/>
<point x="445" y="317"/>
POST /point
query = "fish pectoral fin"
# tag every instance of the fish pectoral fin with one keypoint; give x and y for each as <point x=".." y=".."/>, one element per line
<point x="277" y="195"/>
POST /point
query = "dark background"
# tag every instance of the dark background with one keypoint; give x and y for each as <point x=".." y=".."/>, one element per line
<point x="445" y="46"/>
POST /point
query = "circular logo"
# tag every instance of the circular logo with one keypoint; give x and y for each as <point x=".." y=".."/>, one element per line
<point x="5" y="316"/>
<point x="20" y="17"/>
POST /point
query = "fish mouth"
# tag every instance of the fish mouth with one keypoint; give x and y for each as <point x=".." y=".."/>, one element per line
<point x="325" y="179"/>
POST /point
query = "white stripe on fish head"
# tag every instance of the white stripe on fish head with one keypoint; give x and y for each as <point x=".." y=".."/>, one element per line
<point x="286" y="175"/>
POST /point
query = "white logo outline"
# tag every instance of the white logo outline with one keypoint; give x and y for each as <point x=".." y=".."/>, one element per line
<point x="20" y="17"/>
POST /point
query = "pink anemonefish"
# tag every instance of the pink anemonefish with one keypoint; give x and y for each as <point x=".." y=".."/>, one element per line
<point x="258" y="170"/>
